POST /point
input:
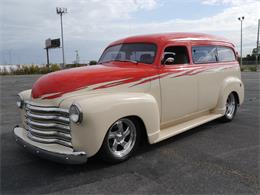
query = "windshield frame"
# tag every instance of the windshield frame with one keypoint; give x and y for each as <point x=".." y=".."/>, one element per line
<point x="151" y="43"/>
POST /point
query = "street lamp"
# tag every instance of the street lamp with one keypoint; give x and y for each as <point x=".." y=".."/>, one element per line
<point x="241" y="19"/>
<point x="62" y="11"/>
<point x="257" y="43"/>
<point x="77" y="57"/>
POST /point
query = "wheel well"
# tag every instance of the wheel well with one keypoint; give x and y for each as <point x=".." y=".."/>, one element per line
<point x="140" y="122"/>
<point x="236" y="96"/>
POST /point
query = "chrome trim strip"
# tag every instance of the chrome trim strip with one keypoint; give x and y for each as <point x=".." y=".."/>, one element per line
<point x="47" y="117"/>
<point x="67" y="158"/>
<point x="46" y="134"/>
<point x="48" y="125"/>
<point x="26" y="126"/>
<point x="46" y="109"/>
<point x="48" y="141"/>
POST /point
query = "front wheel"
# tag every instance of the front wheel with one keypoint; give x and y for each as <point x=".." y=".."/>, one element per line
<point x="231" y="108"/>
<point x="121" y="141"/>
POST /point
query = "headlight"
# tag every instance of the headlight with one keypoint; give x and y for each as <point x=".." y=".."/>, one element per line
<point x="19" y="102"/>
<point x="75" y="114"/>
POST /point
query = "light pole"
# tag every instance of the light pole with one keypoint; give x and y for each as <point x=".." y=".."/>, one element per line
<point x="62" y="11"/>
<point x="257" y="42"/>
<point x="241" y="19"/>
<point x="77" y="57"/>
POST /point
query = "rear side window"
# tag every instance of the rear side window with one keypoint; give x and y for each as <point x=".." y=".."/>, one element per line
<point x="226" y="54"/>
<point x="204" y="54"/>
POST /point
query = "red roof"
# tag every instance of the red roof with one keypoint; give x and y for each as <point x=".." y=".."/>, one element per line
<point x="166" y="37"/>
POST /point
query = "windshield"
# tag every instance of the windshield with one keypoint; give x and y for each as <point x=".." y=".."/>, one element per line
<point x="134" y="52"/>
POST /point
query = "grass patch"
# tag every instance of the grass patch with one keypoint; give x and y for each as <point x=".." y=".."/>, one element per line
<point x="249" y="68"/>
<point x="32" y="69"/>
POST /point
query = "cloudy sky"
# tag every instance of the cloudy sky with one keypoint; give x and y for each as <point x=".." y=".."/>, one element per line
<point x="90" y="25"/>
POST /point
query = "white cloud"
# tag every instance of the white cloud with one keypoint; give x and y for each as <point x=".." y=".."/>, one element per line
<point x="27" y="20"/>
<point x="225" y="24"/>
<point x="91" y="24"/>
<point x="232" y="2"/>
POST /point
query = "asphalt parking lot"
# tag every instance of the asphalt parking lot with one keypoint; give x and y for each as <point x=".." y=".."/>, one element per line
<point x="221" y="158"/>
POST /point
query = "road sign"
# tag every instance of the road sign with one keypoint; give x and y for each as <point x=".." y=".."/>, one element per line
<point x="49" y="44"/>
<point x="52" y="43"/>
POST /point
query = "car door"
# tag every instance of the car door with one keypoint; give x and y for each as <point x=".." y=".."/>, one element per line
<point x="179" y="89"/>
<point x="205" y="56"/>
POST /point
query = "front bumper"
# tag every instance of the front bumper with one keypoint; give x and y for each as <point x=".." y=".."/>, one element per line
<point x="52" y="152"/>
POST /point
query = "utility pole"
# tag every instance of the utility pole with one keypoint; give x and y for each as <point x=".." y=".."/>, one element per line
<point x="241" y="19"/>
<point x="62" y="11"/>
<point x="257" y="43"/>
<point x="77" y="57"/>
<point x="48" y="59"/>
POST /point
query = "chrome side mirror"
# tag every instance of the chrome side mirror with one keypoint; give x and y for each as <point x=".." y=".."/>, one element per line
<point x="169" y="61"/>
<point x="168" y="58"/>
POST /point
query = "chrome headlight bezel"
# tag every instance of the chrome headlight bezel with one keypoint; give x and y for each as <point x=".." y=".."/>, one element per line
<point x="75" y="114"/>
<point x="19" y="102"/>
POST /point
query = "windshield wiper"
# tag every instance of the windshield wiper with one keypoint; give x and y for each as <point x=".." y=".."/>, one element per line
<point x="132" y="61"/>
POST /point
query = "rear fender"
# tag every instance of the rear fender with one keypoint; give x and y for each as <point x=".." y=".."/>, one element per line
<point x="229" y="85"/>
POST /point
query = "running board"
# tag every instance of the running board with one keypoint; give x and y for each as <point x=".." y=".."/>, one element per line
<point x="176" y="129"/>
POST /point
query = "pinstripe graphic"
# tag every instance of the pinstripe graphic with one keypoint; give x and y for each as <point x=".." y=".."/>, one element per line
<point x="136" y="81"/>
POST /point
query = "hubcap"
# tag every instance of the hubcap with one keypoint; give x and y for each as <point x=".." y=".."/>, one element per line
<point x="121" y="137"/>
<point x="230" y="106"/>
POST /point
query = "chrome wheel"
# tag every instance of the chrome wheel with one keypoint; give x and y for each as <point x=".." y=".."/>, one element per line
<point x="230" y="106"/>
<point x="121" y="137"/>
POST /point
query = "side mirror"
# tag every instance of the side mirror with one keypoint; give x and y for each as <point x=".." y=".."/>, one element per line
<point x="169" y="61"/>
<point x="168" y="58"/>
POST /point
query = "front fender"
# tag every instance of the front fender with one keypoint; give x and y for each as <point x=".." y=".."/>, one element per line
<point x="101" y="111"/>
<point x="230" y="84"/>
<point x="25" y="95"/>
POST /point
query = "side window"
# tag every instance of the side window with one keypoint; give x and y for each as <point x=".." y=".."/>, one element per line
<point x="175" y="55"/>
<point x="226" y="54"/>
<point x="204" y="54"/>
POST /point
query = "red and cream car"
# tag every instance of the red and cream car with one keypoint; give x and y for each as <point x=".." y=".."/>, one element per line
<point x="153" y="86"/>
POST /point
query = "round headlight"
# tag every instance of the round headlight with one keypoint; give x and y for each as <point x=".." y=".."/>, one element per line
<point x="19" y="102"/>
<point x="75" y="114"/>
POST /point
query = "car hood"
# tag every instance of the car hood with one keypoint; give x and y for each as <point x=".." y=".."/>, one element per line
<point x="56" y="84"/>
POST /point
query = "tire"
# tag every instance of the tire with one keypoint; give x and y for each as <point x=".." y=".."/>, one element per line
<point x="231" y="108"/>
<point x="121" y="141"/>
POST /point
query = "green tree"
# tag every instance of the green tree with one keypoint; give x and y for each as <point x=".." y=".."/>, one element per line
<point x="92" y="62"/>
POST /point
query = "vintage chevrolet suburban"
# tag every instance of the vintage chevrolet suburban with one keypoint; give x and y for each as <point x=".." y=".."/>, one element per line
<point x="153" y="86"/>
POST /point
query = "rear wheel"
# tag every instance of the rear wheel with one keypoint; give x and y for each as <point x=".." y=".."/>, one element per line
<point x="231" y="108"/>
<point x="121" y="140"/>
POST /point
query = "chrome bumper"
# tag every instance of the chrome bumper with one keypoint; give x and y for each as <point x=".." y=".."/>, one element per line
<point x="64" y="155"/>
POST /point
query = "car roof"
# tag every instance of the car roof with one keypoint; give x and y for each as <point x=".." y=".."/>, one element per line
<point x="175" y="36"/>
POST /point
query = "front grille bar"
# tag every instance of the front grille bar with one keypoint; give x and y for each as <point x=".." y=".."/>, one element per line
<point x="46" y="109"/>
<point x="49" y="141"/>
<point x="50" y="134"/>
<point x="47" y="117"/>
<point x="48" y="125"/>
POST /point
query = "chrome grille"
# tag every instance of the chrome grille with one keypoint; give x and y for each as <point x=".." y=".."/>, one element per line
<point x="47" y="125"/>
